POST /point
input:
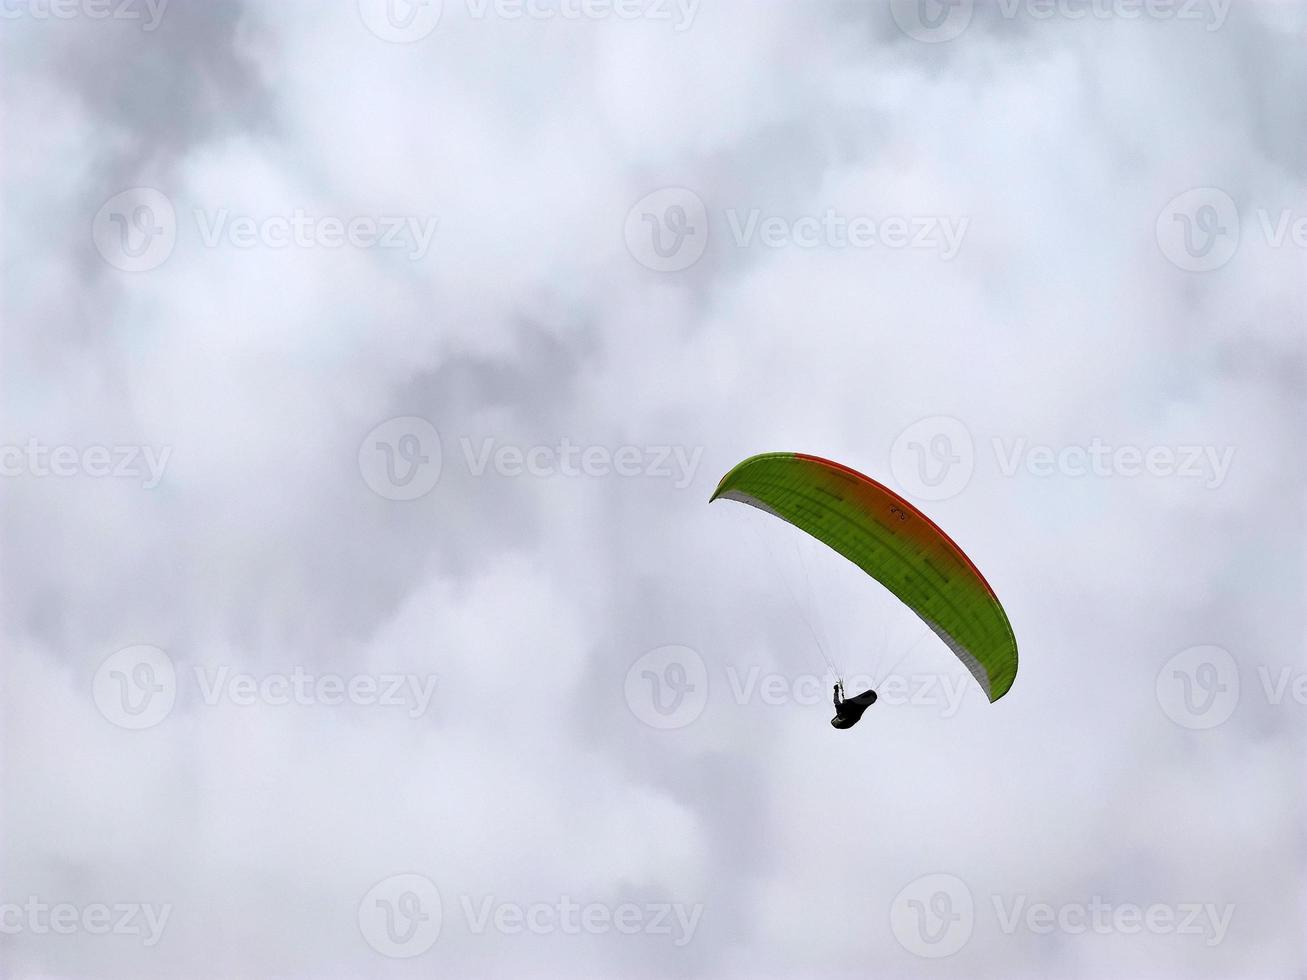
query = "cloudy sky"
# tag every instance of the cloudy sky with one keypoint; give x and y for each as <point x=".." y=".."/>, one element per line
<point x="367" y="368"/>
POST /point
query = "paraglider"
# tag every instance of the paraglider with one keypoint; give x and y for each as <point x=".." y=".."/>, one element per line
<point x="894" y="543"/>
<point x="848" y="711"/>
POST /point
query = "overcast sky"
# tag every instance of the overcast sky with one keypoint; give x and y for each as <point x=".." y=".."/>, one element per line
<point x="367" y="368"/>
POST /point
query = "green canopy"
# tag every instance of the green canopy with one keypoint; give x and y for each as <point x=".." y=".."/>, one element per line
<point x="894" y="543"/>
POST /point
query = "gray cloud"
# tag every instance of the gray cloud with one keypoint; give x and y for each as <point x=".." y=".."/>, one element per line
<point x="537" y="328"/>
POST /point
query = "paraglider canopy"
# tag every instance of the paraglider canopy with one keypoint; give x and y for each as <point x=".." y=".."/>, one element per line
<point x="894" y="543"/>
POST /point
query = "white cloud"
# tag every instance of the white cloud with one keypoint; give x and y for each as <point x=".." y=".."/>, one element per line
<point x="1059" y="321"/>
